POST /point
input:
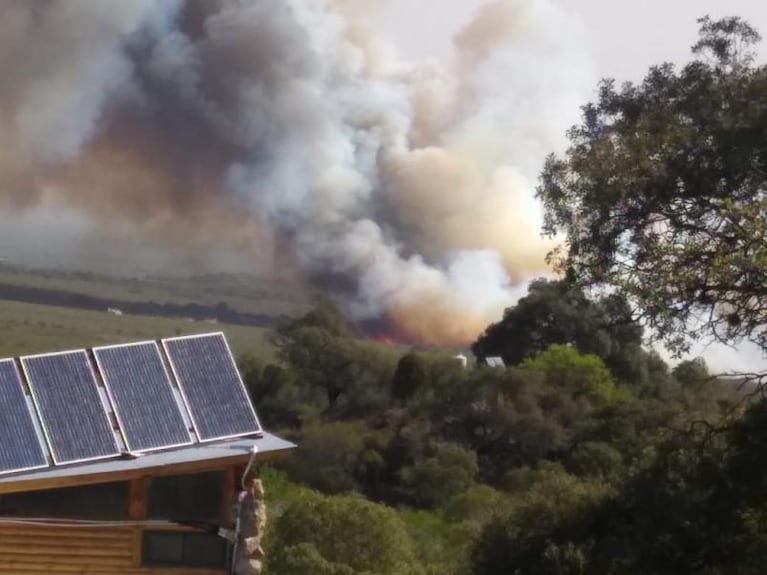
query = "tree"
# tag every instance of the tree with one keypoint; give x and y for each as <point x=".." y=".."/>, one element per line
<point x="596" y="460"/>
<point x="478" y="504"/>
<point x="581" y="375"/>
<point x="318" y="347"/>
<point x="450" y="471"/>
<point x="412" y="374"/>
<point x="341" y="535"/>
<point x="691" y="372"/>
<point x="541" y="531"/>
<point x="304" y="559"/>
<point x="325" y="315"/>
<point x="696" y="506"/>
<point x="443" y="546"/>
<point x="328" y="456"/>
<point x="554" y="312"/>
<point x="322" y="351"/>
<point x="509" y="417"/>
<point x="662" y="195"/>
<point x="284" y="400"/>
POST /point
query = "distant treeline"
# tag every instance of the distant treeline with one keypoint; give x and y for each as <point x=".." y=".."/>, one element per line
<point x="220" y="312"/>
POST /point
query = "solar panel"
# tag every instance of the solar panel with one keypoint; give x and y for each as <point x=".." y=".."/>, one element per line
<point x="142" y="395"/>
<point x="211" y="386"/>
<point x="20" y="447"/>
<point x="67" y="398"/>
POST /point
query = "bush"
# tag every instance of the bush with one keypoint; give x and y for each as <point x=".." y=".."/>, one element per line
<point x="549" y="501"/>
<point x="450" y="471"/>
<point x="341" y="535"/>
<point x="412" y="375"/>
<point x="443" y="546"/>
<point x="582" y="375"/>
<point x="596" y="460"/>
<point x="478" y="505"/>
<point x="328" y="456"/>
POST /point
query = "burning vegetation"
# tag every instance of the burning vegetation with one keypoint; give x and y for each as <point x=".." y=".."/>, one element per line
<point x="290" y="137"/>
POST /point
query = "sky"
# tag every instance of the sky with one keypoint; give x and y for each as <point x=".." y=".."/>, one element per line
<point x="625" y="39"/>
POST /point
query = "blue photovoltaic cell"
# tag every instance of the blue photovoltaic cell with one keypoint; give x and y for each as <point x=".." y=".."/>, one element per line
<point x="142" y="396"/>
<point x="66" y="395"/>
<point x="20" y="448"/>
<point x="211" y="386"/>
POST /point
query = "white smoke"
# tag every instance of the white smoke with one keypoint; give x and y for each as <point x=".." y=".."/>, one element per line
<point x="60" y="63"/>
<point x="411" y="185"/>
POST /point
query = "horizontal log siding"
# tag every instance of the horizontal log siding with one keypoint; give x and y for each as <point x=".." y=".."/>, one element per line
<point x="34" y="550"/>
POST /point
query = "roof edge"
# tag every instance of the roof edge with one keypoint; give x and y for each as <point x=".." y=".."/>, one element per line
<point x="154" y="465"/>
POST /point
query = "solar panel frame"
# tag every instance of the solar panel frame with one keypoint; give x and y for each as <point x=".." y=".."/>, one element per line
<point x="185" y="398"/>
<point x="39" y="441"/>
<point x="114" y="404"/>
<point x="43" y="423"/>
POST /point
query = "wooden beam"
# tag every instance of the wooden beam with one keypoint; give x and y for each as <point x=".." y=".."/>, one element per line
<point x="230" y="494"/>
<point x="33" y="484"/>
<point x="139" y="489"/>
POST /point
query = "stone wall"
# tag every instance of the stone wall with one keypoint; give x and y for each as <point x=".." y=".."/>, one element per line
<point x="252" y="519"/>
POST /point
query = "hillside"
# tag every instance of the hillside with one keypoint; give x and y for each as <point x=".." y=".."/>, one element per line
<point x="237" y="299"/>
<point x="34" y="328"/>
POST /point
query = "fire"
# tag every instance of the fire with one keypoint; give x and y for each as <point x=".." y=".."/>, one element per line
<point x="386" y="332"/>
<point x="384" y="339"/>
<point x="434" y="325"/>
<point x="441" y="323"/>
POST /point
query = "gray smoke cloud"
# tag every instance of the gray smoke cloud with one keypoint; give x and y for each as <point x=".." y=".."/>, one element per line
<point x="404" y="187"/>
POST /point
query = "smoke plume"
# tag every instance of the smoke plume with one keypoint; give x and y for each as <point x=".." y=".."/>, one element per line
<point x="291" y="131"/>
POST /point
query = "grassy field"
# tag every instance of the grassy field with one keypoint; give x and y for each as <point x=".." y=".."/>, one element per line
<point x="241" y="292"/>
<point x="30" y="329"/>
<point x="27" y="328"/>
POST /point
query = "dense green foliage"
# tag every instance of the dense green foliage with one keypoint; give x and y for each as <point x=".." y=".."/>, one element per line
<point x="414" y="464"/>
<point x="554" y="312"/>
<point x="662" y="194"/>
<point x="579" y="375"/>
<point x="342" y="535"/>
<point x="586" y="455"/>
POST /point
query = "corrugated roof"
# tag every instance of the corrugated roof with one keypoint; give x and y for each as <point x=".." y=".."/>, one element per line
<point x="197" y="457"/>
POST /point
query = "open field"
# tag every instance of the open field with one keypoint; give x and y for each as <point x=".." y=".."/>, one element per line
<point x="244" y="293"/>
<point x="30" y="328"/>
<point x="43" y="326"/>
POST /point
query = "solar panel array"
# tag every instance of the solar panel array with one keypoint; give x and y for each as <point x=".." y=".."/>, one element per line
<point x="133" y="374"/>
<point x="211" y="385"/>
<point x="66" y="394"/>
<point x="20" y="447"/>
<point x="79" y="408"/>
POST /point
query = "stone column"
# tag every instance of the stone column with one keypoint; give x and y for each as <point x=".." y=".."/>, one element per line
<point x="252" y="518"/>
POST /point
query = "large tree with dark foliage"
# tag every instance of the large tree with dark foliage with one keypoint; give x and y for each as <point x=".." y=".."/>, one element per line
<point x="697" y="508"/>
<point x="662" y="195"/>
<point x="322" y="351"/>
<point x="555" y="313"/>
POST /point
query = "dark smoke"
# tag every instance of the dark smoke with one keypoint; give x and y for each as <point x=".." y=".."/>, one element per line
<point x="285" y="134"/>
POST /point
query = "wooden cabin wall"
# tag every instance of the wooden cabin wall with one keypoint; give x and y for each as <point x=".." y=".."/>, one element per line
<point x="38" y="550"/>
<point x="31" y="550"/>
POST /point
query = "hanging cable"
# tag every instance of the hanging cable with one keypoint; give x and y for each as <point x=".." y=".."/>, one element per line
<point x="249" y="467"/>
